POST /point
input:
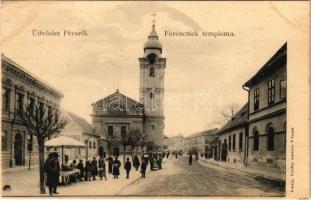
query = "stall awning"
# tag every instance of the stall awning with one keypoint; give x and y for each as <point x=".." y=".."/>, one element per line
<point x="63" y="141"/>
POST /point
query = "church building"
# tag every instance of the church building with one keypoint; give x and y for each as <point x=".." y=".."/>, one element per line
<point x="116" y="116"/>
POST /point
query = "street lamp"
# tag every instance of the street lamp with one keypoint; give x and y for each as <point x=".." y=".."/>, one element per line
<point x="29" y="147"/>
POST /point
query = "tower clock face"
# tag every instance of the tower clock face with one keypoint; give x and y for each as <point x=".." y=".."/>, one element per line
<point x="151" y="58"/>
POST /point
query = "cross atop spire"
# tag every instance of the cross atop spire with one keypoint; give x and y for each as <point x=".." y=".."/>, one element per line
<point x="154" y="16"/>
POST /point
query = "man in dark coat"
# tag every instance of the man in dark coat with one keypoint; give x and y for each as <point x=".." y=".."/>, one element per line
<point x="160" y="162"/>
<point x="143" y="169"/>
<point x="110" y="161"/>
<point x="136" y="162"/>
<point x="94" y="168"/>
<point x="81" y="168"/>
<point x="52" y="169"/>
<point x="190" y="159"/>
<point x="127" y="167"/>
<point x="116" y="165"/>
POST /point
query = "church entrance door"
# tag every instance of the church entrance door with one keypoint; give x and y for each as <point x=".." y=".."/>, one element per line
<point x="116" y="151"/>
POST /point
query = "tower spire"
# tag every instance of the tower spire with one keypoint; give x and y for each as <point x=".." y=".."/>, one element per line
<point x="153" y="34"/>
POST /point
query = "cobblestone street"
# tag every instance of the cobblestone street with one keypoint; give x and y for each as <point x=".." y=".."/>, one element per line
<point x="178" y="179"/>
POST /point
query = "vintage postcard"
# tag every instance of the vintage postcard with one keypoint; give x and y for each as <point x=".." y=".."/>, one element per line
<point x="155" y="99"/>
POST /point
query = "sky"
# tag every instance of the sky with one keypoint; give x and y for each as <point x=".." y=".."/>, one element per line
<point x="208" y="72"/>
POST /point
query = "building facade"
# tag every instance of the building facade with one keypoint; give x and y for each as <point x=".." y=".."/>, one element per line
<point x="80" y="130"/>
<point x="200" y="142"/>
<point x="267" y="113"/>
<point x="115" y="115"/>
<point x="232" y="139"/>
<point x="20" y="87"/>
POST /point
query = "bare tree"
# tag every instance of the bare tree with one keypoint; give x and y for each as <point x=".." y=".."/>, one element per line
<point x="226" y="113"/>
<point x="135" y="138"/>
<point x="42" y="123"/>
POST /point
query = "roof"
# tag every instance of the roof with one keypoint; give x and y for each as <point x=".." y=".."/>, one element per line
<point x="63" y="141"/>
<point x="32" y="76"/>
<point x="237" y="120"/>
<point x="204" y="133"/>
<point x="120" y="105"/>
<point x="80" y="122"/>
<point x="274" y="63"/>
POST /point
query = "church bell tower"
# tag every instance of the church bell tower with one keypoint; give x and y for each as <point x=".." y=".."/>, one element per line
<point x="151" y="91"/>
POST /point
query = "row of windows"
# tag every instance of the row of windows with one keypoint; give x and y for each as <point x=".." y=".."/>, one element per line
<point x="110" y="131"/>
<point x="270" y="139"/>
<point x="232" y="143"/>
<point x="90" y="144"/>
<point x="19" y="102"/>
<point x="271" y="93"/>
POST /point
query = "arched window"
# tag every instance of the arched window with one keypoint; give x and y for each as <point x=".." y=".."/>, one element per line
<point x="256" y="139"/>
<point x="270" y="138"/>
<point x="151" y="72"/>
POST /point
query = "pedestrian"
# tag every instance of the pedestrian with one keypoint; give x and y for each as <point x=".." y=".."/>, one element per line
<point x="110" y="161"/>
<point x="136" y="162"/>
<point x="143" y="169"/>
<point x="52" y="170"/>
<point x="160" y="162"/>
<point x="176" y="156"/>
<point x="102" y="168"/>
<point x="81" y="168"/>
<point x="116" y="165"/>
<point x="151" y="162"/>
<point x="94" y="168"/>
<point x="190" y="159"/>
<point x="127" y="167"/>
<point x="88" y="171"/>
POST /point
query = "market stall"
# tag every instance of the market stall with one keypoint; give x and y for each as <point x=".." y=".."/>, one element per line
<point x="65" y="142"/>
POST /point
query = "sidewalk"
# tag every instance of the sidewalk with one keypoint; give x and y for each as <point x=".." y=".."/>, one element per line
<point x="267" y="173"/>
<point x="25" y="182"/>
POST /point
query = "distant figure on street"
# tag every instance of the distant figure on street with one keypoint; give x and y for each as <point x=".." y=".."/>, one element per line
<point x="151" y="160"/>
<point x="143" y="169"/>
<point x="176" y="156"/>
<point x="116" y="165"/>
<point x="102" y="168"/>
<point x="52" y="169"/>
<point x="88" y="171"/>
<point x="81" y="168"/>
<point x="110" y="161"/>
<point x="160" y="161"/>
<point x="127" y="167"/>
<point x="94" y="168"/>
<point x="190" y="159"/>
<point x="136" y="162"/>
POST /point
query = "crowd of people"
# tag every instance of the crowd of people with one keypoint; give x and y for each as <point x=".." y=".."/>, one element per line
<point x="96" y="168"/>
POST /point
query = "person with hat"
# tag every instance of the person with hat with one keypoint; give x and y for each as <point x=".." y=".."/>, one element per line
<point x="116" y="171"/>
<point x="94" y="168"/>
<point x="102" y="168"/>
<point x="110" y="161"/>
<point x="81" y="168"/>
<point x="52" y="170"/>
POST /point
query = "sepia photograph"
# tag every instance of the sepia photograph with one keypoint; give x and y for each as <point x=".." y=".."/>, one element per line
<point x="154" y="99"/>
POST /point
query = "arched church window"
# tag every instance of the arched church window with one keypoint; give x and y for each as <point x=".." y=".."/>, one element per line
<point x="151" y="72"/>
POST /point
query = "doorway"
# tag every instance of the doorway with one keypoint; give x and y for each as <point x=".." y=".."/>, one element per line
<point x="18" y="149"/>
<point x="116" y="151"/>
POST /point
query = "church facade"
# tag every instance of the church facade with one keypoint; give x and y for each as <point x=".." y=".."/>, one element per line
<point x="116" y="115"/>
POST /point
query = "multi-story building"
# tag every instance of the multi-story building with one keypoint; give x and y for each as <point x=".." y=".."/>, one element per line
<point x="20" y="87"/>
<point x="200" y="142"/>
<point x="267" y="113"/>
<point x="176" y="143"/>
